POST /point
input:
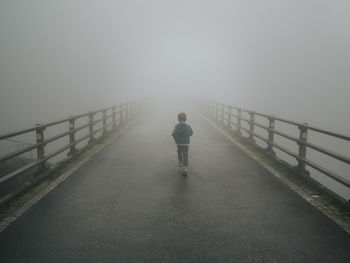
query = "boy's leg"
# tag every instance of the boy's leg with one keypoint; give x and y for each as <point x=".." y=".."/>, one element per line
<point x="185" y="155"/>
<point x="179" y="154"/>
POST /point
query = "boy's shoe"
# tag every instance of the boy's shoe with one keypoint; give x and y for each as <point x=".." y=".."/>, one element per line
<point x="180" y="164"/>
<point x="185" y="171"/>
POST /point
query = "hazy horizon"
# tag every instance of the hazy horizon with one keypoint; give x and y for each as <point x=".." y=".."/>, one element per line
<point x="288" y="58"/>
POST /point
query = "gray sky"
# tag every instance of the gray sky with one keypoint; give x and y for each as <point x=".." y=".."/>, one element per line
<point x="289" y="58"/>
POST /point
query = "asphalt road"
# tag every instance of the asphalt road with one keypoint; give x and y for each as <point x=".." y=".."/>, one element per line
<point x="130" y="203"/>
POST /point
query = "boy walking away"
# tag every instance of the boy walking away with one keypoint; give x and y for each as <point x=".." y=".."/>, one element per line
<point x="181" y="135"/>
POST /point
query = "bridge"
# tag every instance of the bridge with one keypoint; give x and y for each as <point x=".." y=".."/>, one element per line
<point x="104" y="186"/>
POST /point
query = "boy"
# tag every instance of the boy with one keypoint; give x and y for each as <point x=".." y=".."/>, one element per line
<point x="181" y="135"/>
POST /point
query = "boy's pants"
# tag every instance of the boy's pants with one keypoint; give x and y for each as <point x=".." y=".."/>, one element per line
<point x="182" y="153"/>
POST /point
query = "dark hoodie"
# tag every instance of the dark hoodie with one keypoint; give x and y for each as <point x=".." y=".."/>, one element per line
<point x="182" y="133"/>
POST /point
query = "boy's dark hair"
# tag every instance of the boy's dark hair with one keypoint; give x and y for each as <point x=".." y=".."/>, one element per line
<point x="181" y="116"/>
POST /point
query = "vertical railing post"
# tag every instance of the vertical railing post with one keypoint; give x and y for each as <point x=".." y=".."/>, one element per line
<point x="271" y="135"/>
<point x="113" y="117"/>
<point x="211" y="109"/>
<point x="302" y="148"/>
<point x="130" y="111"/>
<point x="41" y="148"/>
<point x="91" y="127"/>
<point x="72" y="148"/>
<point x="239" y="120"/>
<point x="229" y="117"/>
<point x="104" y="117"/>
<point x="222" y="113"/>
<point x="251" y="125"/>
<point x="120" y="114"/>
<point x="214" y="110"/>
<point x="126" y="113"/>
<point x="217" y="115"/>
<point x="135" y="109"/>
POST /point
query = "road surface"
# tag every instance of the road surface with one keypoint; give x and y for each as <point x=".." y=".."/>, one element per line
<point x="130" y="203"/>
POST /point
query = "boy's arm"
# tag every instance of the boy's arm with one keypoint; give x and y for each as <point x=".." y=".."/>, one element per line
<point x="174" y="133"/>
<point x="190" y="130"/>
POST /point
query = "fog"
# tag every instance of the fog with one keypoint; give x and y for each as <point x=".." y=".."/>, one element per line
<point x="288" y="58"/>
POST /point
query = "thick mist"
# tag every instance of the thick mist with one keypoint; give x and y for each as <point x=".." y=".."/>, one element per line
<point x="288" y="58"/>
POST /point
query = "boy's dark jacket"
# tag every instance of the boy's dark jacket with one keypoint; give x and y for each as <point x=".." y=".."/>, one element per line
<point x="182" y="133"/>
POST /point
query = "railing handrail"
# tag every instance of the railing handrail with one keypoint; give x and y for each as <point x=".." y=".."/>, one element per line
<point x="120" y="113"/>
<point x="48" y="124"/>
<point x="18" y="141"/>
<point x="223" y="113"/>
<point x="295" y="123"/>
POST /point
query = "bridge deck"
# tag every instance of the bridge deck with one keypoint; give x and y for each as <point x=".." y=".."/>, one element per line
<point x="131" y="204"/>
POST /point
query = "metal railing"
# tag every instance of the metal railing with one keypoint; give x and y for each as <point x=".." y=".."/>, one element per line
<point x="231" y="116"/>
<point x="112" y="118"/>
<point x="10" y="145"/>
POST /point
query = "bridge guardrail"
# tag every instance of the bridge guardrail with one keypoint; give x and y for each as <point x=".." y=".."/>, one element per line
<point x="228" y="115"/>
<point x="10" y="145"/>
<point x="112" y="118"/>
